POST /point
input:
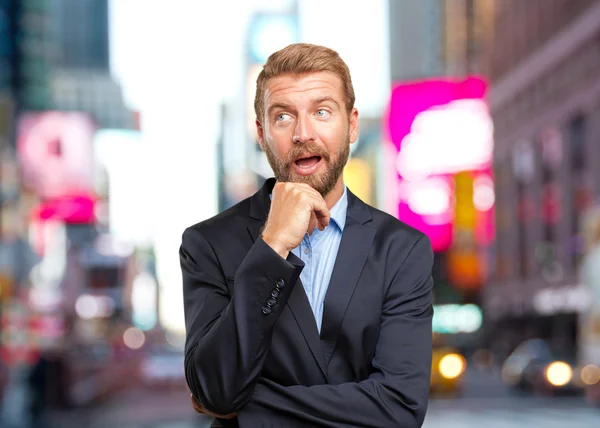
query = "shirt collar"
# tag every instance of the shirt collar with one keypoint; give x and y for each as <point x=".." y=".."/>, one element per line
<point x="337" y="211"/>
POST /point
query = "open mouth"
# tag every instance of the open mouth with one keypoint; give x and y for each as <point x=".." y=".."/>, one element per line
<point x="308" y="164"/>
<point x="308" y="161"/>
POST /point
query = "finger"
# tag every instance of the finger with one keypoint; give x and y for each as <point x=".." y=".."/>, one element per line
<point x="321" y="211"/>
<point x="318" y="208"/>
<point x="314" y="222"/>
<point x="321" y="217"/>
<point x="309" y="189"/>
<point x="318" y="222"/>
<point x="322" y="224"/>
<point x="317" y="204"/>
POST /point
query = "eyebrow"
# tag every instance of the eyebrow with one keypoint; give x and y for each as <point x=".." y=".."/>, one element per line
<point x="277" y="106"/>
<point x="326" y="99"/>
<point x="283" y="106"/>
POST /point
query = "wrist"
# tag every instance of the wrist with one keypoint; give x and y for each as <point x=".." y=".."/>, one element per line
<point x="276" y="244"/>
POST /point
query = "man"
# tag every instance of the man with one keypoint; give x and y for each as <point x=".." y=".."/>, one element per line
<point x="303" y="305"/>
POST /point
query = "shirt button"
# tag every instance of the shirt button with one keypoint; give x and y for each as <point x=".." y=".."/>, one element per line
<point x="307" y="251"/>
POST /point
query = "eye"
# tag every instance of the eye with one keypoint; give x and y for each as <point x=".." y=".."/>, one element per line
<point x="322" y="113"/>
<point x="282" y="117"/>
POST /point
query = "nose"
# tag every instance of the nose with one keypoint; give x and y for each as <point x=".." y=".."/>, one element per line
<point x="304" y="132"/>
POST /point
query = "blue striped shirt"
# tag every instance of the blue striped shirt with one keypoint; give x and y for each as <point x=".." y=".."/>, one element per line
<point x="319" y="251"/>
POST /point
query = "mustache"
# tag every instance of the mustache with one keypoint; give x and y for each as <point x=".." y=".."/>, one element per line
<point x="304" y="151"/>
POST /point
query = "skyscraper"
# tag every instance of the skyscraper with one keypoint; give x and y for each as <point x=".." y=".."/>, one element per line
<point x="80" y="28"/>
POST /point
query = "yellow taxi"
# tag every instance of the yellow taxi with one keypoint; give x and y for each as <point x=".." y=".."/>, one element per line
<point x="447" y="369"/>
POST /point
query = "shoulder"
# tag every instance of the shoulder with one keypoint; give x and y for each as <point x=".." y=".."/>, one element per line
<point x="389" y="225"/>
<point x="397" y="242"/>
<point x="231" y="221"/>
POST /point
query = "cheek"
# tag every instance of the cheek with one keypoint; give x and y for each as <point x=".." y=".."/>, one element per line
<point x="278" y="145"/>
<point x="333" y="137"/>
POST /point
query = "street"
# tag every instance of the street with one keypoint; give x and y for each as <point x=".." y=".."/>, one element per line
<point x="137" y="408"/>
<point x="484" y="401"/>
<point x="511" y="412"/>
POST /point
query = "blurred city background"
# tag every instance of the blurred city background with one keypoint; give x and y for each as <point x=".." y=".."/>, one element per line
<point x="122" y="122"/>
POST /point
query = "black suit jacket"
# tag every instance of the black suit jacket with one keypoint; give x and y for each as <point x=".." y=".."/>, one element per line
<point x="252" y="342"/>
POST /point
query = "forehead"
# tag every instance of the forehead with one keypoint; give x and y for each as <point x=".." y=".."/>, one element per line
<point x="305" y="87"/>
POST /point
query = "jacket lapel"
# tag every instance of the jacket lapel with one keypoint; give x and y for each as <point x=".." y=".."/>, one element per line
<point x="260" y="204"/>
<point x="298" y="303"/>
<point x="303" y="314"/>
<point x="355" y="246"/>
<point x="254" y="230"/>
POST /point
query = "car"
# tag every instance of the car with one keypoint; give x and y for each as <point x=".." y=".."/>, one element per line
<point x="534" y="367"/>
<point x="447" y="370"/>
<point x="163" y="367"/>
<point x="592" y="392"/>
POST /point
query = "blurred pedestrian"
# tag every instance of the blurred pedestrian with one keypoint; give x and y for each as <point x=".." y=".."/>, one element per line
<point x="589" y="275"/>
<point x="3" y="381"/>
<point x="39" y="385"/>
<point x="48" y="384"/>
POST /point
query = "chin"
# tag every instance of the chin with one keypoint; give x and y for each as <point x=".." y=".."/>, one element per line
<point x="316" y="180"/>
<point x="312" y="180"/>
<point x="318" y="186"/>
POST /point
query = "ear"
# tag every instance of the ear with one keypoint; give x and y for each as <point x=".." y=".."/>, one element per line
<point x="353" y="131"/>
<point x="261" y="134"/>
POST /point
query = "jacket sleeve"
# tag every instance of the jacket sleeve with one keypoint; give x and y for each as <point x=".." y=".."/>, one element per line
<point x="396" y="393"/>
<point x="228" y="335"/>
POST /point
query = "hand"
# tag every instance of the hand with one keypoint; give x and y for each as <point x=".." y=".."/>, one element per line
<point x="199" y="408"/>
<point x="296" y="208"/>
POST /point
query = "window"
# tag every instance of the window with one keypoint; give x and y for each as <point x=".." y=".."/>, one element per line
<point x="549" y="156"/>
<point x="503" y="223"/>
<point x="82" y="32"/>
<point x="524" y="173"/>
<point x="523" y="221"/>
<point x="580" y="194"/>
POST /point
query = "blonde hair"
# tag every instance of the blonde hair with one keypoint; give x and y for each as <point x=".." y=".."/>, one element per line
<point x="302" y="58"/>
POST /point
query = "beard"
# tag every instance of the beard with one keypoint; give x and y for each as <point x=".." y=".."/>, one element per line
<point x="322" y="181"/>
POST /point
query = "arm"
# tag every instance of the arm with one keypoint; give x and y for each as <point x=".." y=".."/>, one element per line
<point x="228" y="335"/>
<point x="396" y="393"/>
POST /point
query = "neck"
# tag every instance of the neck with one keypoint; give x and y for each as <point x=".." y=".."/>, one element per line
<point x="335" y="194"/>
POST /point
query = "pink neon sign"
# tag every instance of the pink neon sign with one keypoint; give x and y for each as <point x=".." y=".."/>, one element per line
<point x="56" y="153"/>
<point x="438" y="128"/>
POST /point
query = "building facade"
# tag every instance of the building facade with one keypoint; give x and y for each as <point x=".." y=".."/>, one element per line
<point x="442" y="39"/>
<point x="543" y="59"/>
<point x="416" y="39"/>
<point x="81" y="33"/>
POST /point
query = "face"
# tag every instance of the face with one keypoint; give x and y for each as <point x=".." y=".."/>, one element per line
<point x="306" y="132"/>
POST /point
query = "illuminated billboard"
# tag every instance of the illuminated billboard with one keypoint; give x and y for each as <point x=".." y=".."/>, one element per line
<point x="56" y="153"/>
<point x="438" y="128"/>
